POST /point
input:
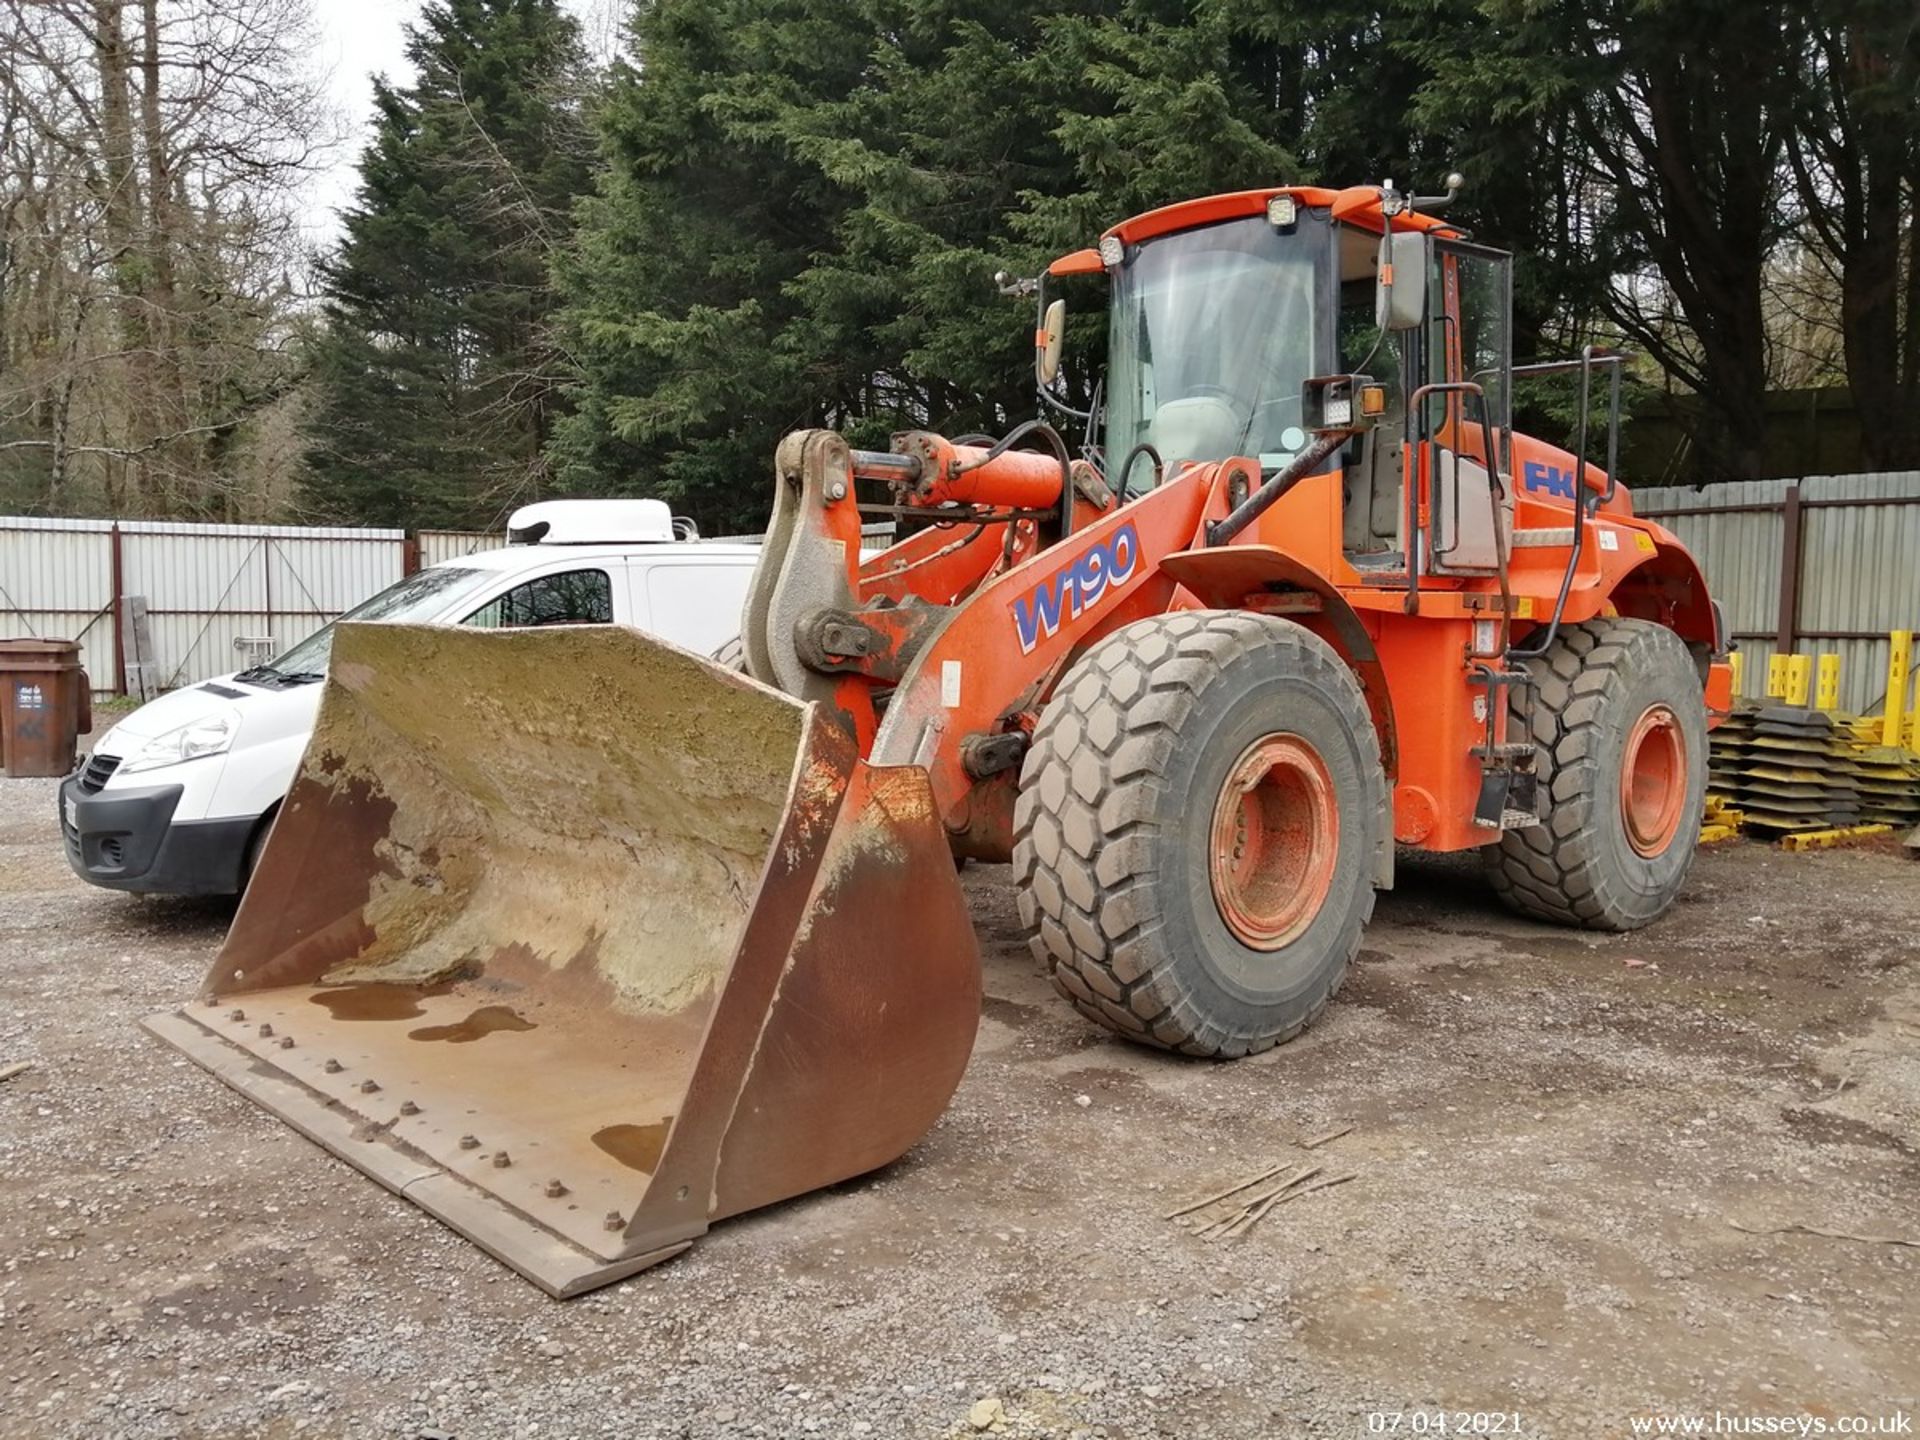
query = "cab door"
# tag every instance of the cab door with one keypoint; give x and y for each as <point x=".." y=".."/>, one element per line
<point x="1469" y="519"/>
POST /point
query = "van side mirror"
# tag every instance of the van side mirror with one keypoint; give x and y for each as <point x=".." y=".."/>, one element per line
<point x="1053" y="330"/>
<point x="1400" y="290"/>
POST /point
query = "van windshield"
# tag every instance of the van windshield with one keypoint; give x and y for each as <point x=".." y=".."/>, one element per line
<point x="426" y="595"/>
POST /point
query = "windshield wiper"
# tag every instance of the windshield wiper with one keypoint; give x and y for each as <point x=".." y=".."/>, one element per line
<point x="276" y="679"/>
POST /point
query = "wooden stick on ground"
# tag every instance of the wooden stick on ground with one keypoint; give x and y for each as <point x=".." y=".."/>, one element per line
<point x="1260" y="1204"/>
<point x="1799" y="1229"/>
<point x="18" y="1067"/>
<point x="1230" y="1190"/>
<point x="1255" y="1217"/>
<point x="1326" y="1139"/>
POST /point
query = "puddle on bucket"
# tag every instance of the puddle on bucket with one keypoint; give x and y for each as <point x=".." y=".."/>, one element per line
<point x="637" y="1147"/>
<point x="484" y="1021"/>
<point x="376" y="1002"/>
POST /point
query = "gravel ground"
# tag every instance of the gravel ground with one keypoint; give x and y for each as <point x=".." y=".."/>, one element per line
<point x="1554" y="1138"/>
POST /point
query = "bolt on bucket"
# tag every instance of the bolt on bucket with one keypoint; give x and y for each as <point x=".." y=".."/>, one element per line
<point x="582" y="943"/>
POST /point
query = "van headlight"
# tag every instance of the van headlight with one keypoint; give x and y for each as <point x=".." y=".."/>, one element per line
<point x="209" y="735"/>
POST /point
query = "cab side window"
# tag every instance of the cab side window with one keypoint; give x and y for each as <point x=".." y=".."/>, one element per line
<point x="572" y="597"/>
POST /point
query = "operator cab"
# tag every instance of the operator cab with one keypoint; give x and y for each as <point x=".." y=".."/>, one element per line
<point x="1222" y="309"/>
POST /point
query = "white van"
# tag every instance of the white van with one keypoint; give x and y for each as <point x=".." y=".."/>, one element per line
<point x="176" y="799"/>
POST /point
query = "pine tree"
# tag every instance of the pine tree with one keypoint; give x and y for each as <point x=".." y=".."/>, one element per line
<point x="805" y="201"/>
<point x="438" y="377"/>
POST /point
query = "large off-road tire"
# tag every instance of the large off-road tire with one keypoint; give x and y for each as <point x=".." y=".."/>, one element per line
<point x="1621" y="724"/>
<point x="1196" y="831"/>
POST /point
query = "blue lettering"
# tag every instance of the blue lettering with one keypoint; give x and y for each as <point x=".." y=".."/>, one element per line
<point x="1075" y="588"/>
<point x="1536" y="475"/>
<point x="1038" y="614"/>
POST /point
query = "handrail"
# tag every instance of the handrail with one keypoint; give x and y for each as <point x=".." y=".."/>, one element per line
<point x="1588" y="359"/>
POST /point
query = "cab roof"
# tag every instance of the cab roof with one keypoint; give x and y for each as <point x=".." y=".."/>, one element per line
<point x="1356" y="205"/>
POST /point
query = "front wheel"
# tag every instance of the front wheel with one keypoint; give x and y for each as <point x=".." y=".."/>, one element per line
<point x="1195" y="835"/>
<point x="1621" y="724"/>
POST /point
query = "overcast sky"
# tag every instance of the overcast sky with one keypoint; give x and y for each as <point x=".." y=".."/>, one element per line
<point x="359" y="38"/>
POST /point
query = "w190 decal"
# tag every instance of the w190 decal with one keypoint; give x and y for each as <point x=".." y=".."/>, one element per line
<point x="1078" y="587"/>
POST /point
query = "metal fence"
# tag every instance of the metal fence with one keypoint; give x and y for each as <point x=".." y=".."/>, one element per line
<point x="215" y="596"/>
<point x="430" y="547"/>
<point x="1828" y="564"/>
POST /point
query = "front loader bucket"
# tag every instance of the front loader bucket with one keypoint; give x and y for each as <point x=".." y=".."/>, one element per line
<point x="581" y="943"/>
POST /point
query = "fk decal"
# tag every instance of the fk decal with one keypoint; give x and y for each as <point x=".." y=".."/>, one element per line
<point x="1549" y="478"/>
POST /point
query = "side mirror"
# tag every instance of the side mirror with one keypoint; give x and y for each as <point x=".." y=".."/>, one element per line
<point x="1053" y="330"/>
<point x="1400" y="290"/>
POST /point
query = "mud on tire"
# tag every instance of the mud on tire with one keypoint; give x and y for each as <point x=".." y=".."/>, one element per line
<point x="1115" y="824"/>
<point x="1585" y="865"/>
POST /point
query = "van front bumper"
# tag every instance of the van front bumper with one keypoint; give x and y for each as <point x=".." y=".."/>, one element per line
<point x="127" y="839"/>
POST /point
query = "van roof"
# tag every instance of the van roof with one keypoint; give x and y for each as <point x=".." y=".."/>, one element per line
<point x="679" y="552"/>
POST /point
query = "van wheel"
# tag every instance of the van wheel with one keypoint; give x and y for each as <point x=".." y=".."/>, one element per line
<point x="256" y="843"/>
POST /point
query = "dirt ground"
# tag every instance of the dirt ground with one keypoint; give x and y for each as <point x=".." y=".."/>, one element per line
<point x="1554" y="1139"/>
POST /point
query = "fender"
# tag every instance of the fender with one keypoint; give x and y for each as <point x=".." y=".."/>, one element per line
<point x="1229" y="576"/>
<point x="1667" y="586"/>
<point x="1223" y="578"/>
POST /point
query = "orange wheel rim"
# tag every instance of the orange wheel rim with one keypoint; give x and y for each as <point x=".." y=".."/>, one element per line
<point x="1653" y="781"/>
<point x="1274" y="840"/>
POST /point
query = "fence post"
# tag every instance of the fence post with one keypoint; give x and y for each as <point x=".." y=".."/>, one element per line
<point x="410" y="553"/>
<point x="118" y="585"/>
<point x="1786" y="632"/>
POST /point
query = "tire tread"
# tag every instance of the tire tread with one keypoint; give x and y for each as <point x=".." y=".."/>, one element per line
<point x="1114" y="724"/>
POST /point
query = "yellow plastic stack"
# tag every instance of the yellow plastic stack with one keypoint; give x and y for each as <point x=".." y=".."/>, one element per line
<point x="1808" y="774"/>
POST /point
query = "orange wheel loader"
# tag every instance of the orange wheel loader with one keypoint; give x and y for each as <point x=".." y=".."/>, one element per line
<point x="582" y="942"/>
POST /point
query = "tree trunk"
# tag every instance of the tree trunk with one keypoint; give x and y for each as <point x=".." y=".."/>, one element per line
<point x="162" y="376"/>
<point x="122" y="209"/>
<point x="1878" y="313"/>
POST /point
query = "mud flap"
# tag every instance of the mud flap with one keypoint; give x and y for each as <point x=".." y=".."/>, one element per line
<point x="582" y="942"/>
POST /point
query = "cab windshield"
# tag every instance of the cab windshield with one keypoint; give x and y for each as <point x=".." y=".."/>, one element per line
<point x="422" y="596"/>
<point x="1214" y="331"/>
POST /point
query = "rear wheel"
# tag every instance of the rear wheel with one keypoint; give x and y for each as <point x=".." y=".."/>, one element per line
<point x="1622" y="729"/>
<point x="1195" y="835"/>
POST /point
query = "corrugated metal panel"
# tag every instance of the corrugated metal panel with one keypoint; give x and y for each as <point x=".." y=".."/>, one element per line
<point x="1859" y="567"/>
<point x="1860" y="570"/>
<point x="438" y="545"/>
<point x="206" y="586"/>
<point x="210" y="587"/>
<point x="56" y="581"/>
